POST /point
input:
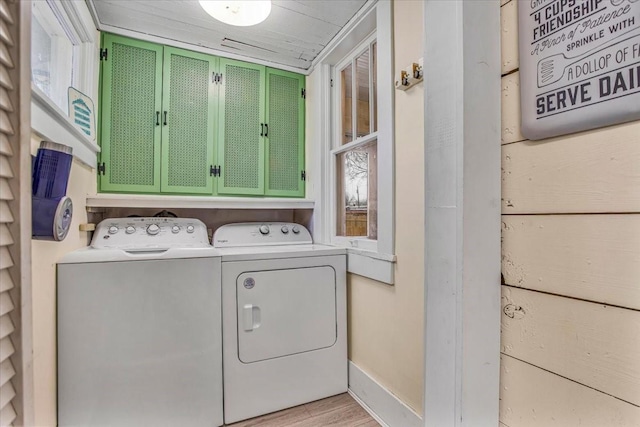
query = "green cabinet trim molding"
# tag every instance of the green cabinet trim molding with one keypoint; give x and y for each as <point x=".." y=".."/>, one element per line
<point x="174" y="121"/>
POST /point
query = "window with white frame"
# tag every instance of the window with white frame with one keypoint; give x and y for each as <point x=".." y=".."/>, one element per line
<point x="352" y="103"/>
<point x="355" y="147"/>
<point x="60" y="45"/>
<point x="64" y="53"/>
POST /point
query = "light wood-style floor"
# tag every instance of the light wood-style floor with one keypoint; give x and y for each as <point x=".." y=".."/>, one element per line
<point x="340" y="410"/>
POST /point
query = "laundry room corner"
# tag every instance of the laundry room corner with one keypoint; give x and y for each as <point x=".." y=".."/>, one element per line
<point x="45" y="254"/>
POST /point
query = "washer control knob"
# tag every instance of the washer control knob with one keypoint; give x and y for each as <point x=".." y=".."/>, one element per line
<point x="113" y="229"/>
<point x="130" y="229"/>
<point x="190" y="229"/>
<point x="264" y="230"/>
<point x="295" y="229"/>
<point x="175" y="229"/>
<point x="285" y="229"/>
<point x="153" y="229"/>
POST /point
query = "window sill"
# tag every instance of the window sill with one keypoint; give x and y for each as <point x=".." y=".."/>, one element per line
<point x="373" y="265"/>
<point x="110" y="200"/>
<point x="49" y="122"/>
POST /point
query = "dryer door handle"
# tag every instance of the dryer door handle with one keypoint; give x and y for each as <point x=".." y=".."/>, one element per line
<point x="250" y="317"/>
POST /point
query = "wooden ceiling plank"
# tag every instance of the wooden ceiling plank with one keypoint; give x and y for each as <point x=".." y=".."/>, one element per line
<point x="336" y="12"/>
<point x="214" y="42"/>
<point x="296" y="30"/>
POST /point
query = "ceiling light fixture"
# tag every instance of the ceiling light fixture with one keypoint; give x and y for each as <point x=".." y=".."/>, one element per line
<point x="242" y="13"/>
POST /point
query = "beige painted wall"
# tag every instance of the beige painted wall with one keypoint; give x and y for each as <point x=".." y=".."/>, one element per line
<point x="386" y="322"/>
<point x="45" y="254"/>
<point x="571" y="267"/>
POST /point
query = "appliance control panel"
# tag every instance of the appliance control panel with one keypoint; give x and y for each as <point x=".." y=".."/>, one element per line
<point x="150" y="233"/>
<point x="261" y="234"/>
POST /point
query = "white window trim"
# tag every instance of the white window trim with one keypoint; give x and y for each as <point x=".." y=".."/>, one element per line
<point x="345" y="241"/>
<point x="373" y="259"/>
<point x="48" y="120"/>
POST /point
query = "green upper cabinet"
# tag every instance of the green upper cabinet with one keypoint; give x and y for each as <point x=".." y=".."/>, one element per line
<point x="176" y="121"/>
<point x="189" y="120"/>
<point x="130" y="134"/>
<point x="159" y="112"/>
<point x="241" y="129"/>
<point x="261" y="131"/>
<point x="285" y="137"/>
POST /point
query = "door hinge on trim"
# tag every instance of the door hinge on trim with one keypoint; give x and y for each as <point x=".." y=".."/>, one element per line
<point x="101" y="168"/>
<point x="303" y="175"/>
<point x="103" y="54"/>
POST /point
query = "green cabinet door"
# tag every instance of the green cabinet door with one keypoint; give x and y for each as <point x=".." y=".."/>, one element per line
<point x="285" y="137"/>
<point x="130" y="108"/>
<point x="241" y="128"/>
<point x="189" y="119"/>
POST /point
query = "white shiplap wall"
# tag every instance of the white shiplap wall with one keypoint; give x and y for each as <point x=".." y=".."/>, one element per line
<point x="571" y="266"/>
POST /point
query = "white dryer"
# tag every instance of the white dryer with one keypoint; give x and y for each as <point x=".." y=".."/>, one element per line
<point x="284" y="318"/>
<point x="139" y="327"/>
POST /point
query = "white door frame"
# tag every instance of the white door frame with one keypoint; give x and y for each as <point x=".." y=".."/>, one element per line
<point x="462" y="212"/>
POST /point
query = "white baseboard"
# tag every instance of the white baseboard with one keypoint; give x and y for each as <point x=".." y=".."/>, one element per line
<point x="383" y="406"/>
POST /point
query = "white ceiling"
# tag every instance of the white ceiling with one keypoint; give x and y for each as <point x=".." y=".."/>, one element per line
<point x="293" y="35"/>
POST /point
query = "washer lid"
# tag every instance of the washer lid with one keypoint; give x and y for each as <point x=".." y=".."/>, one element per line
<point x="92" y="255"/>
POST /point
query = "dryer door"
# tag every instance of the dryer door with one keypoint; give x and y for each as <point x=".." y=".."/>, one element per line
<point x="284" y="312"/>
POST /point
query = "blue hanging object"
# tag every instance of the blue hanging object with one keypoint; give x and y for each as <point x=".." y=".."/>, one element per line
<point x="51" y="209"/>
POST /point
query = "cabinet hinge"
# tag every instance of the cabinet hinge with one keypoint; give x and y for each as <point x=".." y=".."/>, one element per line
<point x="303" y="175"/>
<point x="331" y="82"/>
<point x="215" y="170"/>
<point x="303" y="93"/>
<point x="101" y="168"/>
<point x="103" y="54"/>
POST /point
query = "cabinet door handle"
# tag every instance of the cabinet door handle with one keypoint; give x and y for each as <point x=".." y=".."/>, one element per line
<point x="165" y="119"/>
<point x="266" y="130"/>
<point x="261" y="129"/>
<point x="157" y="118"/>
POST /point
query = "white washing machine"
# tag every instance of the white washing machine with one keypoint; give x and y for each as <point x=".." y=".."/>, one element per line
<point x="284" y="318"/>
<point x="139" y="327"/>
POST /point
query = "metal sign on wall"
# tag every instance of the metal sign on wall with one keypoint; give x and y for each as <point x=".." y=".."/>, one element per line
<point x="579" y="64"/>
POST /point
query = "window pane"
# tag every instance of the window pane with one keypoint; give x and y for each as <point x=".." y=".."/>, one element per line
<point x="347" y="125"/>
<point x="40" y="58"/>
<point x="362" y="85"/>
<point x="357" y="204"/>
<point x="52" y="58"/>
<point x="374" y="83"/>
